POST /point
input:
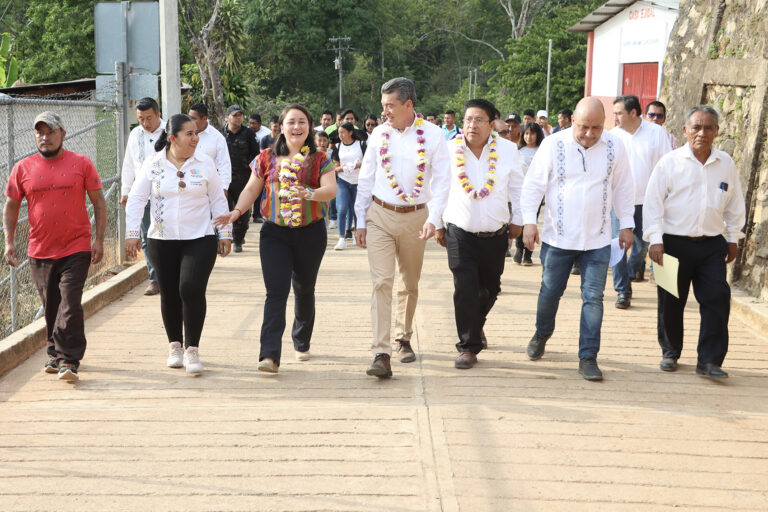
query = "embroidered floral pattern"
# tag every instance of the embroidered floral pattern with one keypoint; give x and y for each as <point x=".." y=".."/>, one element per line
<point x="611" y="157"/>
<point x="490" y="177"/>
<point x="560" y="187"/>
<point x="158" y="206"/>
<point x="421" y="162"/>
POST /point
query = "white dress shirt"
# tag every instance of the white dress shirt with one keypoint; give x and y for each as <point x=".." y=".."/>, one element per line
<point x="141" y="144"/>
<point x="490" y="213"/>
<point x="213" y="144"/>
<point x="579" y="186"/>
<point x="177" y="213"/>
<point x="263" y="132"/>
<point x="688" y="198"/>
<point x="403" y="154"/>
<point x="645" y="147"/>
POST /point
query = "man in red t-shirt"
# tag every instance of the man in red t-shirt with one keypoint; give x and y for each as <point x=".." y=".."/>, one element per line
<point x="54" y="183"/>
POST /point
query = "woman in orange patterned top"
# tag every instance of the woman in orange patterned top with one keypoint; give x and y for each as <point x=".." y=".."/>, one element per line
<point x="298" y="181"/>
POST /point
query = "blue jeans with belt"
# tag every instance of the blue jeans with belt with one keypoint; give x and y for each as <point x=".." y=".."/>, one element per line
<point x="557" y="265"/>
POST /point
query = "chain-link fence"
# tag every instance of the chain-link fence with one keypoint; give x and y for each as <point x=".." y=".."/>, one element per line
<point x="92" y="130"/>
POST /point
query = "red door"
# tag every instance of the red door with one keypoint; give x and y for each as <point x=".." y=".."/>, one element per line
<point x="640" y="80"/>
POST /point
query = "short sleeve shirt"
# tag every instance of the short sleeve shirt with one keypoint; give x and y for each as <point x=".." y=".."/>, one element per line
<point x="266" y="166"/>
<point x="55" y="190"/>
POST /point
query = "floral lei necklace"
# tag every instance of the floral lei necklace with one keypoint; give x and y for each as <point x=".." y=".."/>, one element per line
<point x="421" y="162"/>
<point x="490" y="177"/>
<point x="290" y="202"/>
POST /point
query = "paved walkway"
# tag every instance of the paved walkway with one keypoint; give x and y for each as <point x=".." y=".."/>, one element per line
<point x="509" y="435"/>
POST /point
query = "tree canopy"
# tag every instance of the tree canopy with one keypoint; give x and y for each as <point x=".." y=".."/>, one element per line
<point x="278" y="51"/>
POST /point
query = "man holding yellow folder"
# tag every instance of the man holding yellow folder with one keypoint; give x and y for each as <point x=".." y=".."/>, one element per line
<point x="694" y="210"/>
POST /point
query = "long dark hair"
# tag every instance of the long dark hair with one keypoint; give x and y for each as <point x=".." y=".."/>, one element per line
<point x="351" y="129"/>
<point x="172" y="127"/>
<point x="280" y="147"/>
<point x="535" y="128"/>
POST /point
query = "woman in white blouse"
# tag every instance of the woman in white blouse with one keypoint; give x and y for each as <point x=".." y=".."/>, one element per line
<point x="185" y="191"/>
<point x="347" y="156"/>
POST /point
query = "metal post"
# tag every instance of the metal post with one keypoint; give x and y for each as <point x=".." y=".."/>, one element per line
<point x="549" y="72"/>
<point x="121" y="135"/>
<point x="14" y="285"/>
<point x="469" y="95"/>
<point x="474" y="95"/>
<point x="341" y="81"/>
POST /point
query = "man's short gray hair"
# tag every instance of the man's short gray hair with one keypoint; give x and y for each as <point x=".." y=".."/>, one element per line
<point x="404" y="88"/>
<point x="703" y="108"/>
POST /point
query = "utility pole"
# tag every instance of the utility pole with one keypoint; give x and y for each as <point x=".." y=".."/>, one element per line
<point x="170" y="82"/>
<point x="337" y="62"/>
<point x="549" y="73"/>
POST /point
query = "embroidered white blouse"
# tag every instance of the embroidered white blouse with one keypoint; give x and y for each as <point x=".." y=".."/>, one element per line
<point x="579" y="185"/>
<point x="492" y="212"/>
<point x="177" y="213"/>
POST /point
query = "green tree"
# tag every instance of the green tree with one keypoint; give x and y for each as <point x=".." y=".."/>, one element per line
<point x="520" y="82"/>
<point x="9" y="68"/>
<point x="57" y="43"/>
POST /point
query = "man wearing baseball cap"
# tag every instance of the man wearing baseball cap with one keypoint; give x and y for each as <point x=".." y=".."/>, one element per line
<point x="542" y="118"/>
<point x="54" y="182"/>
<point x="513" y="121"/>
<point x="243" y="148"/>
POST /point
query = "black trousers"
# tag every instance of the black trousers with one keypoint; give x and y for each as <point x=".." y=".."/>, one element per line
<point x="477" y="264"/>
<point x="183" y="268"/>
<point x="60" y="283"/>
<point x="240" y="226"/>
<point x="289" y="256"/>
<point x="702" y="263"/>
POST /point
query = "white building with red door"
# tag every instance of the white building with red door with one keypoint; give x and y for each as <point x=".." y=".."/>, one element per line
<point x="626" y="44"/>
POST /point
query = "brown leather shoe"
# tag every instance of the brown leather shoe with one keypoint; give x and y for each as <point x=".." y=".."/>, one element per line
<point x="152" y="289"/>
<point x="639" y="277"/>
<point x="407" y="354"/>
<point x="380" y="367"/>
<point x="465" y="361"/>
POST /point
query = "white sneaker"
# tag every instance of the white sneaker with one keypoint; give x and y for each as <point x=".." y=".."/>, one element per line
<point x="332" y="224"/>
<point x="340" y="245"/>
<point x="302" y="356"/>
<point x="267" y="365"/>
<point x="175" y="355"/>
<point x="192" y="360"/>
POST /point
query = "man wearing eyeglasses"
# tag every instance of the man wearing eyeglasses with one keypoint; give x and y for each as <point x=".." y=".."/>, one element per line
<point x="646" y="143"/>
<point x="581" y="173"/>
<point x="656" y="112"/>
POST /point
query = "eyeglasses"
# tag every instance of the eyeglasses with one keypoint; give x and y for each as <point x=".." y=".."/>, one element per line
<point x="653" y="115"/>
<point x="475" y="121"/>
<point x="505" y="132"/>
<point x="182" y="185"/>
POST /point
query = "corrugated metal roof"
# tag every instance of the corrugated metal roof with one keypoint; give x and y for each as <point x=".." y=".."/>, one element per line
<point x="610" y="9"/>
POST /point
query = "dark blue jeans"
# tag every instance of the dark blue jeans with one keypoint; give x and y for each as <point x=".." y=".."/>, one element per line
<point x="557" y="265"/>
<point x="289" y="256"/>
<point x="625" y="269"/>
<point x="345" y="205"/>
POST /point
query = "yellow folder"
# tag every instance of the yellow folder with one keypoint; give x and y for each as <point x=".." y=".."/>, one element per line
<point x="666" y="275"/>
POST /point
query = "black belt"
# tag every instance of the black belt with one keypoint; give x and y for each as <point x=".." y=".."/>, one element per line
<point x="486" y="234"/>
<point x="694" y="238"/>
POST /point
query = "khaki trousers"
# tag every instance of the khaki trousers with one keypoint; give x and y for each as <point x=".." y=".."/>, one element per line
<point x="394" y="236"/>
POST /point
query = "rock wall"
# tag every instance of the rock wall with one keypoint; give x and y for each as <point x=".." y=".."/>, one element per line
<point x="718" y="55"/>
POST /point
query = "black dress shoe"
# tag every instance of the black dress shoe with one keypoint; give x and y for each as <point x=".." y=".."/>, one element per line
<point x="237" y="247"/>
<point x="710" y="370"/>
<point x="623" y="301"/>
<point x="589" y="370"/>
<point x="668" y="364"/>
<point x="536" y="347"/>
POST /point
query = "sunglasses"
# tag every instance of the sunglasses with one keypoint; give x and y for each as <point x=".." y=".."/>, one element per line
<point x="656" y="116"/>
<point x="182" y="185"/>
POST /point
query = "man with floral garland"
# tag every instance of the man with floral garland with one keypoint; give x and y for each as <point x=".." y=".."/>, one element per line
<point x="485" y="177"/>
<point x="401" y="194"/>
